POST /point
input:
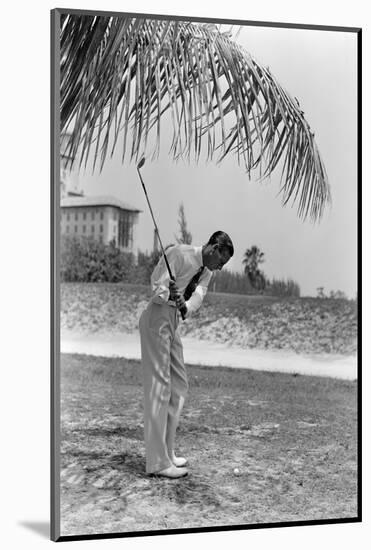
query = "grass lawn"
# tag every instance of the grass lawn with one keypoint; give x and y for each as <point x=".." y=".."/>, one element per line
<point x="293" y="438"/>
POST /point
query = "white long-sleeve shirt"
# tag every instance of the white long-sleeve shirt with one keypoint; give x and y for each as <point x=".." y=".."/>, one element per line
<point x="184" y="260"/>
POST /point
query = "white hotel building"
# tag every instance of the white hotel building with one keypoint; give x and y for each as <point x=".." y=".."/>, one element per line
<point x="103" y="218"/>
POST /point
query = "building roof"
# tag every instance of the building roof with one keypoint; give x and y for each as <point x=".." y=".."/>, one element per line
<point x="102" y="200"/>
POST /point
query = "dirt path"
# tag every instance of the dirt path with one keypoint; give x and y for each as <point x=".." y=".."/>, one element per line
<point x="202" y="352"/>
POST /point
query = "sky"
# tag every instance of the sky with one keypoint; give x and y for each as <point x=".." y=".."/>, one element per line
<point x="317" y="67"/>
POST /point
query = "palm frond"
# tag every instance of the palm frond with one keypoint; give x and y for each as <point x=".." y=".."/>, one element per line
<point x="122" y="74"/>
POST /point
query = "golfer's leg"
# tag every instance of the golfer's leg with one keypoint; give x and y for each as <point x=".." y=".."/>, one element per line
<point x="179" y="388"/>
<point x="155" y="346"/>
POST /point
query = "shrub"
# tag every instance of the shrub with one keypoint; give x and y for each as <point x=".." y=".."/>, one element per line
<point x="145" y="265"/>
<point x="231" y="282"/>
<point x="239" y="283"/>
<point x="84" y="259"/>
<point x="282" y="287"/>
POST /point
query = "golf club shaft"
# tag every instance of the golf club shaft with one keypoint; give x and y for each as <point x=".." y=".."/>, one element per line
<point x="158" y="234"/>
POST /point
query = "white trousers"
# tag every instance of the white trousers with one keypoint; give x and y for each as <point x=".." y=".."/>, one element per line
<point x="165" y="382"/>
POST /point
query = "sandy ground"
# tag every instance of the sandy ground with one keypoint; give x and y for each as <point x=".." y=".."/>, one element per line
<point x="201" y="352"/>
<point x="292" y="438"/>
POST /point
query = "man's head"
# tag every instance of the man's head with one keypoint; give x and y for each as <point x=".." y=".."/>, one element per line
<point x="218" y="250"/>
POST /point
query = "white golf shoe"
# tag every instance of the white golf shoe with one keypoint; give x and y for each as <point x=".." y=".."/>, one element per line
<point x="172" y="472"/>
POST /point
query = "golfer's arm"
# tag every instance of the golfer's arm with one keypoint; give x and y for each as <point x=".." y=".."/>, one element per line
<point x="160" y="276"/>
<point x="196" y="299"/>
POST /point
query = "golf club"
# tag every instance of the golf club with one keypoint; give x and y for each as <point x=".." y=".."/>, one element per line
<point x="139" y="166"/>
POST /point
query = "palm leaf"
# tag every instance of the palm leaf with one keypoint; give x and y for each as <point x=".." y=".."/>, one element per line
<point x="122" y="74"/>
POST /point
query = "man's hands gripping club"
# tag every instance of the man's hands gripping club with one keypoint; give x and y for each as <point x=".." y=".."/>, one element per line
<point x="178" y="298"/>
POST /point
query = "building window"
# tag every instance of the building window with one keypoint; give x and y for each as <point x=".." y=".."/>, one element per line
<point x="102" y="215"/>
<point x="84" y="228"/>
<point x="84" y="216"/>
<point x="68" y="216"/>
<point x="75" y="228"/>
<point x="76" y="216"/>
<point x="93" y="215"/>
<point x="115" y="215"/>
<point x="125" y="230"/>
<point x="101" y="228"/>
<point x="100" y="238"/>
<point x="92" y="228"/>
<point x="67" y="229"/>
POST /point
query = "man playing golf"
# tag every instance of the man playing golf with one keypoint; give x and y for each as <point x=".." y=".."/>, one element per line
<point x="164" y="375"/>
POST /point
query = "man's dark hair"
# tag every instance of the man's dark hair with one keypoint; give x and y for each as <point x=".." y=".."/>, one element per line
<point x="223" y="240"/>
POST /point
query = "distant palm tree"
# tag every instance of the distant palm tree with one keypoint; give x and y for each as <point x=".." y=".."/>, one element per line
<point x="119" y="75"/>
<point x="251" y="260"/>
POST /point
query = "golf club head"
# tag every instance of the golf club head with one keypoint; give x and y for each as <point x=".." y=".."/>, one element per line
<point x="141" y="162"/>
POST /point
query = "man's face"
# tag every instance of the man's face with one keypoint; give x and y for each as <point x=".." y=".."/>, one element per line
<point x="215" y="258"/>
